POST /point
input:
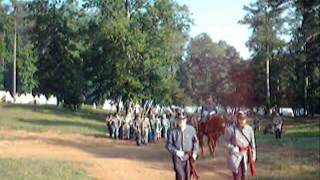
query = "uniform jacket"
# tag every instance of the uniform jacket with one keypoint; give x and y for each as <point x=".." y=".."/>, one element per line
<point x="183" y="140"/>
<point x="234" y="138"/>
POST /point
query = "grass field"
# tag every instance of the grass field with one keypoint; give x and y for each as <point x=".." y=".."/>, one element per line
<point x="11" y="169"/>
<point x="295" y="156"/>
<point x="47" y="118"/>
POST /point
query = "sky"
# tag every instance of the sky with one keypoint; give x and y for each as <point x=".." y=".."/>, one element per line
<point x="219" y="19"/>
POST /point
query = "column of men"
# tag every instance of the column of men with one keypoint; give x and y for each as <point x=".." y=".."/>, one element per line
<point x="143" y="128"/>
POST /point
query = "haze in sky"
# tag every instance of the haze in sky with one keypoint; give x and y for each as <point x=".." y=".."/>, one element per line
<point x="219" y="19"/>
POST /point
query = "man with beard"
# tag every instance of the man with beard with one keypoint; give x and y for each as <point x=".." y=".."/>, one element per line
<point x="183" y="145"/>
<point x="240" y="142"/>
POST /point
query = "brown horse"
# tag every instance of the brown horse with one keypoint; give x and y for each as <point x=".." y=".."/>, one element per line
<point x="213" y="129"/>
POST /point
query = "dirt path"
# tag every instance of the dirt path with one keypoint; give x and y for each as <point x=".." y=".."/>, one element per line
<point x="106" y="159"/>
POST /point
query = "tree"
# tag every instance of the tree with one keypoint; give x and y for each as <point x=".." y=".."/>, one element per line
<point x="57" y="43"/>
<point x="140" y="44"/>
<point x="6" y="29"/>
<point x="25" y="59"/>
<point x="207" y="70"/>
<point x="266" y="21"/>
<point x="242" y="78"/>
<point x="14" y="89"/>
<point x="310" y="36"/>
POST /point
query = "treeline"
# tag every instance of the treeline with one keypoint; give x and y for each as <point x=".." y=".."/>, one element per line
<point x="137" y="50"/>
<point x="285" y="42"/>
<point x="283" y="70"/>
<point x="95" y="50"/>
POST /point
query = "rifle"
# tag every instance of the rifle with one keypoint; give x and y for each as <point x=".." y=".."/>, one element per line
<point x="148" y="107"/>
<point x="192" y="163"/>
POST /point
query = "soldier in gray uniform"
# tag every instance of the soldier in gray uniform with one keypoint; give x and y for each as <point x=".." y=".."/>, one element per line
<point x="137" y="126"/>
<point x="278" y="123"/>
<point x="182" y="143"/>
<point x="172" y="121"/>
<point x="240" y="142"/>
<point x="207" y="108"/>
<point x="166" y="125"/>
<point x="145" y="129"/>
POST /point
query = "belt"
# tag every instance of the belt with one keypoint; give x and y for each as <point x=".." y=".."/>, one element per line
<point x="243" y="149"/>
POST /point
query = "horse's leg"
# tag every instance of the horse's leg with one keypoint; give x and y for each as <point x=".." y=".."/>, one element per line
<point x="200" y="137"/>
<point x="214" y="145"/>
<point x="210" y="144"/>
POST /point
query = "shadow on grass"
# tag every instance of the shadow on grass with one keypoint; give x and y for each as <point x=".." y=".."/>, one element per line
<point x="108" y="148"/>
<point x="62" y="112"/>
<point x="84" y="128"/>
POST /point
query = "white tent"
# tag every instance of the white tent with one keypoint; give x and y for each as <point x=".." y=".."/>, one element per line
<point x="52" y="100"/>
<point x="8" y="98"/>
<point x="24" y="99"/>
<point x="286" y="111"/>
<point x="109" y="105"/>
<point x="261" y="111"/>
<point x="29" y="99"/>
<point x="41" y="99"/>
<point x="17" y="99"/>
<point x="2" y="96"/>
<point x="190" y="109"/>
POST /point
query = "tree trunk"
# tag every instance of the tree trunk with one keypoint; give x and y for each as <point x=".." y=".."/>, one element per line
<point x="268" y="67"/>
<point x="268" y="79"/>
<point x="14" y="48"/>
<point x="306" y="104"/>
<point x="278" y="94"/>
<point x="127" y="9"/>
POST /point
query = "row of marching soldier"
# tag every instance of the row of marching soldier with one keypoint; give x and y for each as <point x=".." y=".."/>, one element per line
<point x="144" y="127"/>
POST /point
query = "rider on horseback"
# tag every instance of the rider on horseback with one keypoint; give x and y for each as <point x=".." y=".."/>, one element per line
<point x="208" y="109"/>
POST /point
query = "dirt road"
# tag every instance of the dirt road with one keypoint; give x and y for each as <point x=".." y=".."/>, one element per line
<point x="105" y="158"/>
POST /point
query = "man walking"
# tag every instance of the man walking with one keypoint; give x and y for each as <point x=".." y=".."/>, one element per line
<point x="145" y="129"/>
<point x="183" y="145"/>
<point x="240" y="142"/>
<point x="165" y="125"/>
<point x="278" y="123"/>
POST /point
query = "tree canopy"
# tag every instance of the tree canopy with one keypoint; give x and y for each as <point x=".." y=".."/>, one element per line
<point x="92" y="50"/>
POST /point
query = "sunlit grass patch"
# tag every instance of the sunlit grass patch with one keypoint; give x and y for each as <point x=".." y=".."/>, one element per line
<point x="44" y="118"/>
<point x="294" y="156"/>
<point x="40" y="169"/>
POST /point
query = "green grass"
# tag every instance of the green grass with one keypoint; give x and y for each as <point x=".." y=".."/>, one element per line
<point x="45" y="118"/>
<point x="39" y="170"/>
<point x="299" y="134"/>
<point x="303" y="130"/>
<point x="294" y="143"/>
<point x="294" y="156"/>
